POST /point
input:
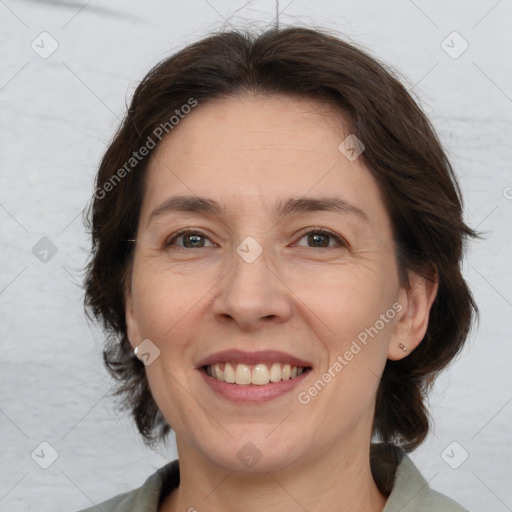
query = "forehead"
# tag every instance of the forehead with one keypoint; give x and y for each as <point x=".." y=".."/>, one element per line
<point x="278" y="129"/>
<point x="258" y="149"/>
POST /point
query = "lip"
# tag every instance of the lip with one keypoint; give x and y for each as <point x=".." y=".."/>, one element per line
<point x="252" y="392"/>
<point x="262" y="356"/>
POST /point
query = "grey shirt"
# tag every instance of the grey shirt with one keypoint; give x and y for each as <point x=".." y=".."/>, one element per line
<point x="410" y="493"/>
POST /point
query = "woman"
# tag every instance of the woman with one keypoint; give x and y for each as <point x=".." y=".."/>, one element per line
<point x="277" y="240"/>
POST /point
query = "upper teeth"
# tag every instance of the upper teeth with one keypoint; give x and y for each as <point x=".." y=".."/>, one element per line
<point x="261" y="374"/>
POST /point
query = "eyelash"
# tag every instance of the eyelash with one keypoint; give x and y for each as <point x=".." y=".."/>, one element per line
<point x="320" y="231"/>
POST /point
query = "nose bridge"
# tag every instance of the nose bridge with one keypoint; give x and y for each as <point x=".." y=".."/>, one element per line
<point x="251" y="292"/>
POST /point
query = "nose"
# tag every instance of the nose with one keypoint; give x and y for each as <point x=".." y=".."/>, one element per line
<point x="252" y="295"/>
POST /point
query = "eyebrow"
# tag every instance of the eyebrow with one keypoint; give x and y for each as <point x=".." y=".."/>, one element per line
<point x="283" y="208"/>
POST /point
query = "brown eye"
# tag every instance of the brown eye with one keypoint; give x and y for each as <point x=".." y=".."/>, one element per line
<point x="321" y="238"/>
<point x="318" y="240"/>
<point x="189" y="240"/>
<point x="193" y="241"/>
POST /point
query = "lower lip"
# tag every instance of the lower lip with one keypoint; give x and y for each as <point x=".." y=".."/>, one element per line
<point x="252" y="392"/>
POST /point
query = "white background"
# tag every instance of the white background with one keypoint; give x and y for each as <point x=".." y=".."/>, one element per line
<point x="57" y="117"/>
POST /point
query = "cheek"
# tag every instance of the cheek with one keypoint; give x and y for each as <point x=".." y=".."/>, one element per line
<point x="353" y="316"/>
<point x="165" y="300"/>
<point x="346" y="298"/>
<point x="356" y="352"/>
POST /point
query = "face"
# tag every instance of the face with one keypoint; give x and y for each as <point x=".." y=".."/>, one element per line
<point x="258" y="236"/>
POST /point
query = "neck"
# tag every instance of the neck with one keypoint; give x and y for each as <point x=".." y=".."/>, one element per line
<point x="338" y="480"/>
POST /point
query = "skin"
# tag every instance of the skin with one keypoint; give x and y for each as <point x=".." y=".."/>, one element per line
<point x="248" y="152"/>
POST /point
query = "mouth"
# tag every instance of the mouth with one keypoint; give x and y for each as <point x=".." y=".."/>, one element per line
<point x="259" y="374"/>
<point x="252" y="376"/>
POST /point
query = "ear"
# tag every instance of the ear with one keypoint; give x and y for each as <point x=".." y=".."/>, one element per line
<point x="411" y="325"/>
<point x="132" y="328"/>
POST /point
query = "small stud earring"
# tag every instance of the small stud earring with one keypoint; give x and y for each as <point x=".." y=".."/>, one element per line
<point x="403" y="347"/>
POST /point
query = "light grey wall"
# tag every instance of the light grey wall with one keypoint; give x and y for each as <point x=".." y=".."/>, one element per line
<point x="58" y="114"/>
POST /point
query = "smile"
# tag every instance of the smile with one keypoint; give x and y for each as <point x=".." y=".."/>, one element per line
<point x="259" y="374"/>
<point x="246" y="377"/>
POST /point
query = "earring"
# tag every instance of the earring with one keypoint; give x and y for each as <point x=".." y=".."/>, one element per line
<point x="403" y="347"/>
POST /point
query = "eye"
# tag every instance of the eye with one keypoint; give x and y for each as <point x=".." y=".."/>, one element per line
<point x="189" y="240"/>
<point x="322" y="238"/>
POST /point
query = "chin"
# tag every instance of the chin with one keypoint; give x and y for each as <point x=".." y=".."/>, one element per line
<point x="254" y="453"/>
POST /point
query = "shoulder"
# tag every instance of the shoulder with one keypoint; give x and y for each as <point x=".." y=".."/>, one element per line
<point x="147" y="497"/>
<point x="411" y="492"/>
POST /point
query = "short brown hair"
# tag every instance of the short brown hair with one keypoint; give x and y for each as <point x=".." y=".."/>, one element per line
<point x="402" y="153"/>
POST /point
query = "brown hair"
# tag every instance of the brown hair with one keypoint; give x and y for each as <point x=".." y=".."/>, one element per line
<point x="402" y="153"/>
